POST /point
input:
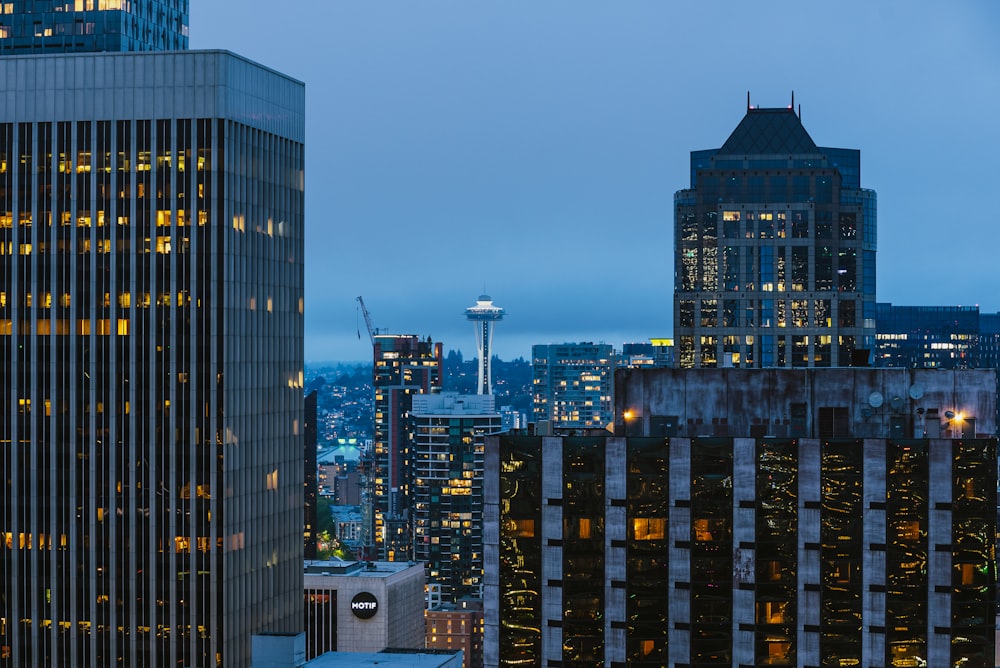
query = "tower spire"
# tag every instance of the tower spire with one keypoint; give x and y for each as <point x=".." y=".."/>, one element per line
<point x="482" y="316"/>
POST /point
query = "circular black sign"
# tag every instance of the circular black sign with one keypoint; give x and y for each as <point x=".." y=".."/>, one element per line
<point x="364" y="605"/>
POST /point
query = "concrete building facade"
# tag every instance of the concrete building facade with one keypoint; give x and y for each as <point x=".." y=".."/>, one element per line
<point x="356" y="606"/>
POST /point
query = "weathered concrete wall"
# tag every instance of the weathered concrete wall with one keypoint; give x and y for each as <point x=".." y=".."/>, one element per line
<point x="744" y="402"/>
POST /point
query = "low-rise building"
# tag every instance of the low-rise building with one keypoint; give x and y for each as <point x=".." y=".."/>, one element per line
<point x="451" y="626"/>
<point x="358" y="606"/>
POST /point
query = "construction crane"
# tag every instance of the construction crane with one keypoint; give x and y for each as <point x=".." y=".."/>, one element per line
<point x="372" y="331"/>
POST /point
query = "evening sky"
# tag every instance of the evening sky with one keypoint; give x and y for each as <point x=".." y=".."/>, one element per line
<point x="532" y="148"/>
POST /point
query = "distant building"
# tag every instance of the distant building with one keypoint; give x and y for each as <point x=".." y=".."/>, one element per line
<point x="837" y="536"/>
<point x="926" y="337"/>
<point x="404" y="366"/>
<point x="511" y="418"/>
<point x="347" y="487"/>
<point x="988" y="348"/>
<point x="452" y="626"/>
<point x="338" y="473"/>
<point x="656" y="354"/>
<point x="448" y="435"/>
<point x="356" y="606"/>
<point x="573" y="385"/>
<point x="774" y="251"/>
<point x="348" y="525"/>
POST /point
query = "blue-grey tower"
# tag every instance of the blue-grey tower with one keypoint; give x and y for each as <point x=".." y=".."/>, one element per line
<point x="483" y="315"/>
<point x="774" y="253"/>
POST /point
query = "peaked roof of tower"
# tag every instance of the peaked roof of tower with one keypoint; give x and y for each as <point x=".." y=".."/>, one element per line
<point x="769" y="132"/>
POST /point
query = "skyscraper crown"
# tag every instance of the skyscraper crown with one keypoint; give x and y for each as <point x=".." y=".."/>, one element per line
<point x="769" y="132"/>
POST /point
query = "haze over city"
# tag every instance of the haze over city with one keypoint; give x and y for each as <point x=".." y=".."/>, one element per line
<point x="533" y="149"/>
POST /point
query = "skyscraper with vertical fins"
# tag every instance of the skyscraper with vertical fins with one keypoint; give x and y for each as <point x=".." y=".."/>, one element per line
<point x="151" y="322"/>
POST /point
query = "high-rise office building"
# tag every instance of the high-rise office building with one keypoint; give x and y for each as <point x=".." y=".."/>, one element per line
<point x="858" y="529"/>
<point x="449" y="432"/>
<point x="774" y="251"/>
<point x="573" y="385"/>
<point x="77" y="26"/>
<point x="404" y="366"/>
<point x="484" y="315"/>
<point x="151" y="287"/>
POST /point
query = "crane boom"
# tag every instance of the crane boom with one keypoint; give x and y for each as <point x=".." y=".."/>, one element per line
<point x="368" y="320"/>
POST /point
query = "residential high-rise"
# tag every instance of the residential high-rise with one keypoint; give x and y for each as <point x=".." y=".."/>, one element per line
<point x="484" y="316"/>
<point x="78" y="26"/>
<point x="151" y="301"/>
<point x="774" y="251"/>
<point x="573" y="385"/>
<point x="857" y="529"/>
<point x="404" y="366"/>
<point x="449" y="431"/>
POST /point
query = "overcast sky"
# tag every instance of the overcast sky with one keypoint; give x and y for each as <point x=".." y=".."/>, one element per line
<point x="532" y="148"/>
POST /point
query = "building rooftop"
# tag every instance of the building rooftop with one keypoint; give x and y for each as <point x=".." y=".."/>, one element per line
<point x="769" y="132"/>
<point x="390" y="658"/>
<point x="368" y="569"/>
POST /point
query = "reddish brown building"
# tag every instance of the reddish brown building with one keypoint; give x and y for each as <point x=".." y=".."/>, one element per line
<point x="457" y="626"/>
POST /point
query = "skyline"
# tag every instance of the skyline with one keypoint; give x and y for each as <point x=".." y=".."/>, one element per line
<point x="559" y="134"/>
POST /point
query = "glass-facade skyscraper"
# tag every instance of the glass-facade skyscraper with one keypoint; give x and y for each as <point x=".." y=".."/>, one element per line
<point x="77" y="26"/>
<point x="151" y="322"/>
<point x="774" y="251"/>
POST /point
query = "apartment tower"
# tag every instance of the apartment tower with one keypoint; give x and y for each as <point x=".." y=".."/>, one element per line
<point x="405" y="365"/>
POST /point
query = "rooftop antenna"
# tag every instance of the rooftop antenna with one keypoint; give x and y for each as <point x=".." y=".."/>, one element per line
<point x="800" y="112"/>
<point x="748" y="100"/>
<point x="793" y="100"/>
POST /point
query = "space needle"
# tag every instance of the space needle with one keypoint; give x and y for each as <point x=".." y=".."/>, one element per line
<point x="482" y="316"/>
